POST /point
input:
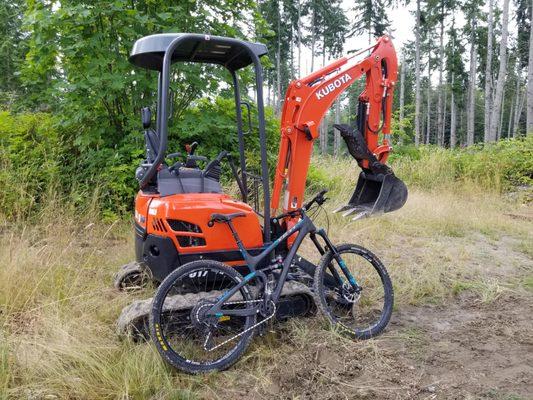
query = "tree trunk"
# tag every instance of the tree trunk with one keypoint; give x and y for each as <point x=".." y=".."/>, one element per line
<point x="269" y="86"/>
<point x="488" y="73"/>
<point x="500" y="127"/>
<point x="520" y="98"/>
<point x="402" y="98"/>
<point x="323" y="51"/>
<point x="502" y="73"/>
<point x="324" y="124"/>
<point x="453" y="118"/>
<point x="324" y="134"/>
<point x="278" y="69"/>
<point x="444" y="118"/>
<point x="299" y="39"/>
<point x="336" y="133"/>
<point x="428" y="104"/>
<point x="509" y="124"/>
<point x="462" y="121"/>
<point x="440" y="119"/>
<point x="529" y="118"/>
<point x="313" y="40"/>
<point x="291" y="45"/>
<point x="471" y="91"/>
<point x="417" y="75"/>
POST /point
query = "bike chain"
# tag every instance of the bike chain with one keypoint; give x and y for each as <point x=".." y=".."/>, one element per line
<point x="243" y="332"/>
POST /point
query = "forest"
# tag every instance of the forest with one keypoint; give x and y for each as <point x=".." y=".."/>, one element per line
<point x="66" y="83"/>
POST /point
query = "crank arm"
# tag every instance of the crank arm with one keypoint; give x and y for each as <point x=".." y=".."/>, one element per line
<point x="246" y="312"/>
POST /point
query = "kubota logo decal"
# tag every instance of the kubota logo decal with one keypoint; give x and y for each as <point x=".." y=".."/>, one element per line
<point x="337" y="83"/>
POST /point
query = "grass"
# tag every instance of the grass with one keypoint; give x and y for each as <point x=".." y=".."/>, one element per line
<point x="58" y="308"/>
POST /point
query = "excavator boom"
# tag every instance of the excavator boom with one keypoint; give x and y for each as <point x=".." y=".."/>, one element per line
<point x="305" y="104"/>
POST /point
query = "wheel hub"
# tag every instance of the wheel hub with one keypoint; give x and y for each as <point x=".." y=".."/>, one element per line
<point x="199" y="318"/>
<point x="349" y="293"/>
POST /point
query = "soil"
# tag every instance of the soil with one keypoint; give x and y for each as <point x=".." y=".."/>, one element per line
<point x="463" y="350"/>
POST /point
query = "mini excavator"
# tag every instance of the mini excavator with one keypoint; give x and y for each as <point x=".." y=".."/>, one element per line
<point x="178" y="194"/>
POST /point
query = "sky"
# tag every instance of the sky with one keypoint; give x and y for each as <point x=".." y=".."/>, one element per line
<point x="402" y="31"/>
<point x="403" y="27"/>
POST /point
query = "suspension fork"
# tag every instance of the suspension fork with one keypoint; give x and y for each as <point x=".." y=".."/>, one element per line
<point x="336" y="256"/>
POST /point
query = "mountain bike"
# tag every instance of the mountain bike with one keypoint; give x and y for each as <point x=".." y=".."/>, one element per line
<point x="205" y="313"/>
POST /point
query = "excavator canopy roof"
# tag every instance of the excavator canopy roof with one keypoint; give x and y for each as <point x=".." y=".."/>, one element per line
<point x="148" y="52"/>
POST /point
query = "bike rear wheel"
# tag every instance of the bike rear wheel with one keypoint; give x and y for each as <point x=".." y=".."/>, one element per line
<point x="186" y="338"/>
<point x="363" y="314"/>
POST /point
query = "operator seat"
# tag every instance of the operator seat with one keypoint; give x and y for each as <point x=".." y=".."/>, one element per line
<point x="182" y="179"/>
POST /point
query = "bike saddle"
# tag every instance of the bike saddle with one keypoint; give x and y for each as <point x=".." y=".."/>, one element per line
<point x="226" y="217"/>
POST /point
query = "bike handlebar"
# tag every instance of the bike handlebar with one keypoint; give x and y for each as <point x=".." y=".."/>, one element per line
<point x="318" y="199"/>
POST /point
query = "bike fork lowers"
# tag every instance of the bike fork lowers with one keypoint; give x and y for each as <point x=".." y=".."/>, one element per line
<point x="338" y="259"/>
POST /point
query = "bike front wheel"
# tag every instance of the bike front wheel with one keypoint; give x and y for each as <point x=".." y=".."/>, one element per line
<point x="362" y="313"/>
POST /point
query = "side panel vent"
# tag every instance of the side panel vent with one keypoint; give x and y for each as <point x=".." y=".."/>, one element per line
<point x="158" y="225"/>
<point x="182" y="226"/>
<point x="190" y="241"/>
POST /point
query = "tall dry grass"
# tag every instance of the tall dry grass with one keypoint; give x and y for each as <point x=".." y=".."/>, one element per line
<point x="58" y="308"/>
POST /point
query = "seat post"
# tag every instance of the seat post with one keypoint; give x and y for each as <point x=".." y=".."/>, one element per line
<point x="236" y="236"/>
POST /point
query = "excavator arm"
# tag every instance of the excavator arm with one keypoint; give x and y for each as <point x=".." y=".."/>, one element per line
<point x="307" y="101"/>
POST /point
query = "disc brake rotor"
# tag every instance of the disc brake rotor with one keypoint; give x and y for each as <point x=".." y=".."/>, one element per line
<point x="350" y="294"/>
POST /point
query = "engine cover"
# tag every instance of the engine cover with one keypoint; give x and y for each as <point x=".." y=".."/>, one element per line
<point x="173" y="230"/>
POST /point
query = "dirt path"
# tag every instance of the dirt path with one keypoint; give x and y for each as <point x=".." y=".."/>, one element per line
<point x="470" y="347"/>
<point x="463" y="350"/>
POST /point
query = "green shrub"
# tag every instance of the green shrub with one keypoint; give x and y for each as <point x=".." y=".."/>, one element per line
<point x="30" y="159"/>
<point x="42" y="161"/>
<point x="495" y="166"/>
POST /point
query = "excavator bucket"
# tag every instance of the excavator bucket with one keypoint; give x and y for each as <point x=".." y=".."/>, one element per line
<point x="378" y="190"/>
<point x="375" y="194"/>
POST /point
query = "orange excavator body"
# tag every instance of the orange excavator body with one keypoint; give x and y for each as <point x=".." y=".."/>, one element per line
<point x="181" y="221"/>
<point x="172" y="223"/>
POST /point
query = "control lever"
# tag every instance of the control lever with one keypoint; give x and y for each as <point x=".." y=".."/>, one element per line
<point x="146" y="117"/>
<point x="191" y="148"/>
<point x="216" y="161"/>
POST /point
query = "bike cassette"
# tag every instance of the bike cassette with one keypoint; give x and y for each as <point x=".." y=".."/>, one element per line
<point x="199" y="318"/>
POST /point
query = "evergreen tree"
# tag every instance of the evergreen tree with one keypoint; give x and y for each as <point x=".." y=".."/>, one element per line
<point x="371" y="17"/>
<point x="457" y="78"/>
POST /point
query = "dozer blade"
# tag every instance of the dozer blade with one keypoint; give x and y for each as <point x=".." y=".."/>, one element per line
<point x="375" y="194"/>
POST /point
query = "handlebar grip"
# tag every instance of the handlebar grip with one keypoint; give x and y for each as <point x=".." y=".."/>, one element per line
<point x="319" y="198"/>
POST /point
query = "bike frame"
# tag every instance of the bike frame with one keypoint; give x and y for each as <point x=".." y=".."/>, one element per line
<point x="304" y="227"/>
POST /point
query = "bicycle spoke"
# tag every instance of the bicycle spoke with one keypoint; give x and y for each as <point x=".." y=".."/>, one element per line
<point x="186" y="331"/>
<point x="364" y="308"/>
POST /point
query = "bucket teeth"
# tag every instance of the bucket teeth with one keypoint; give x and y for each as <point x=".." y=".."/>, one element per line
<point x="361" y="215"/>
<point x="360" y="212"/>
<point x="342" y="208"/>
<point x="350" y="211"/>
<point x="374" y="194"/>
